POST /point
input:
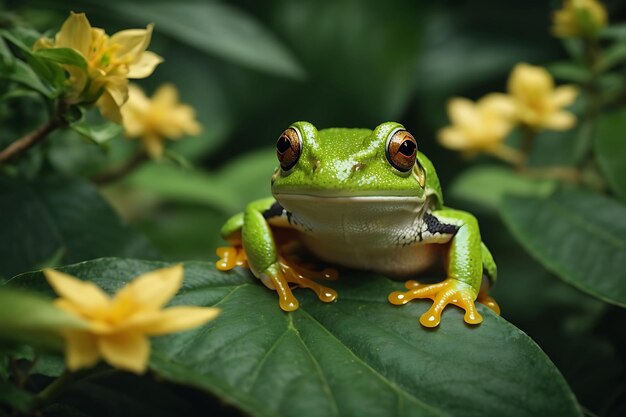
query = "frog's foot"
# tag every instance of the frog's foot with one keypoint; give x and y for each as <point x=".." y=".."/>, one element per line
<point x="488" y="301"/>
<point x="284" y="275"/>
<point x="230" y="257"/>
<point x="449" y="291"/>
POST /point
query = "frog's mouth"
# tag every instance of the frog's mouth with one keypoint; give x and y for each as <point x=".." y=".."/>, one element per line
<point x="347" y="195"/>
<point x="318" y="199"/>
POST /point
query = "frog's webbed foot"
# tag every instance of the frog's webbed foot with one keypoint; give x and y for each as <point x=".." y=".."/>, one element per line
<point x="284" y="274"/>
<point x="230" y="257"/>
<point x="486" y="300"/>
<point x="449" y="291"/>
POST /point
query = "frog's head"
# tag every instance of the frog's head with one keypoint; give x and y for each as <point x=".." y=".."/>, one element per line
<point x="342" y="162"/>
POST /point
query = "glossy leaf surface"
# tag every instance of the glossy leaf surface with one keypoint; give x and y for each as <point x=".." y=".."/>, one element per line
<point x="357" y="356"/>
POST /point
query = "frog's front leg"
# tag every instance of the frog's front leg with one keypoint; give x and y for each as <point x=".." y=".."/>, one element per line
<point x="259" y="251"/>
<point x="465" y="260"/>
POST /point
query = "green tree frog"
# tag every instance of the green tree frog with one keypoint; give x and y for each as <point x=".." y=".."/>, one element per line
<point x="360" y="199"/>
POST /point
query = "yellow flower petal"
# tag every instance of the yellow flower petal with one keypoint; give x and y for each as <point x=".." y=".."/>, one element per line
<point x="144" y="65"/>
<point x="129" y="351"/>
<point x="109" y="108"/>
<point x="84" y="296"/>
<point x="177" y="319"/>
<point x="132" y="42"/>
<point x="498" y="103"/>
<point x="561" y="121"/>
<point x="75" y="33"/>
<point x="453" y="138"/>
<point x="564" y="95"/>
<point x="462" y="111"/>
<point x="154" y="289"/>
<point x="81" y="350"/>
<point x="117" y="87"/>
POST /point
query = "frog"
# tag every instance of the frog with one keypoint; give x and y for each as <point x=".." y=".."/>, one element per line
<point x="361" y="199"/>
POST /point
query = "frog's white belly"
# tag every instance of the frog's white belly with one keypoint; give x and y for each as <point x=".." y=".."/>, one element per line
<point x="373" y="233"/>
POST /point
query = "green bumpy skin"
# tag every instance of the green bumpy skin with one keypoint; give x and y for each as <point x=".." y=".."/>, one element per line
<point x="364" y="199"/>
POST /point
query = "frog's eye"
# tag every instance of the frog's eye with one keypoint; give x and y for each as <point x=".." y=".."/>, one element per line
<point x="402" y="150"/>
<point x="288" y="148"/>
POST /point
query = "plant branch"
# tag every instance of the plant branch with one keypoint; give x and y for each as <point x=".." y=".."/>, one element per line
<point x="28" y="141"/>
<point x="119" y="172"/>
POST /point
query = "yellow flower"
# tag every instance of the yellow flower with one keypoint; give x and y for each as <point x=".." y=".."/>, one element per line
<point x="579" y="18"/>
<point x="111" y="61"/>
<point x="118" y="327"/>
<point x="154" y="120"/>
<point x="480" y="126"/>
<point x="539" y="104"/>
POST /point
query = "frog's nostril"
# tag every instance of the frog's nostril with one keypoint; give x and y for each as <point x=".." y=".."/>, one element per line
<point x="316" y="165"/>
<point x="358" y="166"/>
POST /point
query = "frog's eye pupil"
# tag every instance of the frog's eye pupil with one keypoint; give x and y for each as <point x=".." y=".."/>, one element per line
<point x="401" y="150"/>
<point x="283" y="144"/>
<point x="407" y="148"/>
<point x="288" y="148"/>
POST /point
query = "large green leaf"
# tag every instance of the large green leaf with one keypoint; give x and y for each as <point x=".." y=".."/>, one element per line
<point x="214" y="27"/>
<point x="357" y="356"/>
<point x="578" y="235"/>
<point x="486" y="185"/>
<point x="229" y="190"/>
<point x="60" y="218"/>
<point x="610" y="146"/>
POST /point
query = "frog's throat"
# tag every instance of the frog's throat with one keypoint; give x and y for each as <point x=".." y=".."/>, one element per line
<point x="339" y="197"/>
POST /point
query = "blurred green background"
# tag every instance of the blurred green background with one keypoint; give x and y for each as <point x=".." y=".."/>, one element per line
<point x="250" y="68"/>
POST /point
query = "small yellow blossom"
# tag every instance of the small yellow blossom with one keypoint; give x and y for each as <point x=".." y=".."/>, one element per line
<point x="480" y="126"/>
<point x="579" y="18"/>
<point x="538" y="103"/>
<point x="118" y="327"/>
<point x="154" y="120"/>
<point x="111" y="61"/>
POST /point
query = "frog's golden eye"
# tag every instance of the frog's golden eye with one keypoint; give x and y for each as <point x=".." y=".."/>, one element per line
<point x="288" y="148"/>
<point x="402" y="150"/>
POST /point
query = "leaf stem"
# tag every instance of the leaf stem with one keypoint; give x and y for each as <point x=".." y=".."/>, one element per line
<point x="584" y="151"/>
<point x="119" y="172"/>
<point x="526" y="147"/>
<point x="26" y="142"/>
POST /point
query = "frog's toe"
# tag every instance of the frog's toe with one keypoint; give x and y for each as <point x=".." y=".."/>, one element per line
<point x="488" y="301"/>
<point x="449" y="291"/>
<point x="304" y="278"/>
<point x="283" y="275"/>
<point x="230" y="257"/>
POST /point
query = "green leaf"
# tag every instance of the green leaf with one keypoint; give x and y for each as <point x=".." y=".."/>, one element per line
<point x="185" y="185"/>
<point x="21" y="40"/>
<point x="570" y="71"/>
<point x="578" y="235"/>
<point x="48" y="71"/>
<point x="486" y="185"/>
<point x="228" y="190"/>
<point x="610" y="147"/>
<point x="357" y="356"/>
<point x="6" y="57"/>
<point x="615" y="31"/>
<point x="98" y="134"/>
<point x="44" y="216"/>
<point x="22" y="73"/>
<point x="612" y="56"/>
<point x="30" y="318"/>
<point x="64" y="56"/>
<point x="15" y="397"/>
<point x="217" y="28"/>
